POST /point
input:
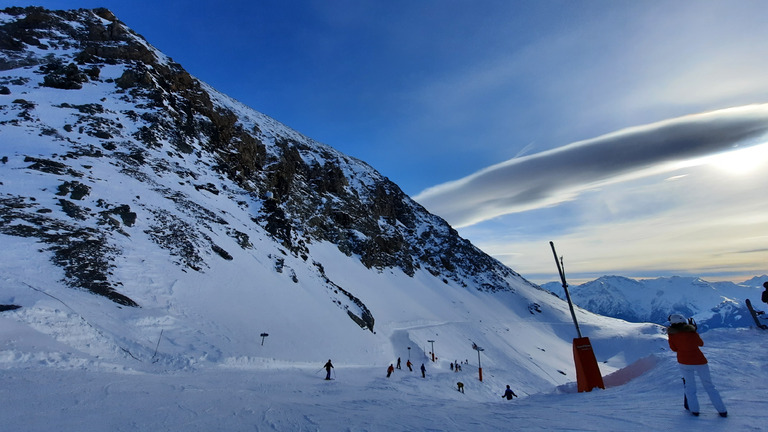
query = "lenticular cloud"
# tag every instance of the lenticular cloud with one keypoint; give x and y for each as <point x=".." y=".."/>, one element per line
<point x="559" y="175"/>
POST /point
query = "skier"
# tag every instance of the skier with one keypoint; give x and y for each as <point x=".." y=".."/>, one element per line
<point x="765" y="293"/>
<point x="398" y="363"/>
<point x="685" y="341"/>
<point x="461" y="386"/>
<point x="390" y="369"/>
<point x="508" y="393"/>
<point x="328" y="366"/>
<point x="409" y="364"/>
<point x="423" y="371"/>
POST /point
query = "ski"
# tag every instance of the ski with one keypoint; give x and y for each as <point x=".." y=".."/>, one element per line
<point x="754" y="316"/>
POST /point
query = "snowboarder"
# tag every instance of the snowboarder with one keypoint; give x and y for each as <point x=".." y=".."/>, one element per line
<point x="423" y="371"/>
<point x="508" y="393"/>
<point x="451" y="367"/>
<point x="685" y="341"/>
<point x="410" y="365"/>
<point x="328" y="366"/>
<point x="398" y="363"/>
<point x="765" y="293"/>
<point x="461" y="386"/>
<point x="390" y="369"/>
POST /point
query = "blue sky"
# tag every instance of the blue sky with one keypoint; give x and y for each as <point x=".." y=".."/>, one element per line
<point x="629" y="133"/>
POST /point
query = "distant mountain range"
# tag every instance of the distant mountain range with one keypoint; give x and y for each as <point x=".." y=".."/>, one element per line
<point x="711" y="304"/>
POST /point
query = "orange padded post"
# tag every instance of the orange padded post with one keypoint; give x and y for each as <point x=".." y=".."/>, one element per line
<point x="587" y="372"/>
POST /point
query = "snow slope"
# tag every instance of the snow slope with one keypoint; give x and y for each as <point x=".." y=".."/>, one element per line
<point x="207" y="267"/>
<point x="65" y="367"/>
<point x="264" y="396"/>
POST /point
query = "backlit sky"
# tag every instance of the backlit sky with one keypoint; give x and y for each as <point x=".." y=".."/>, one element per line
<point x="630" y="133"/>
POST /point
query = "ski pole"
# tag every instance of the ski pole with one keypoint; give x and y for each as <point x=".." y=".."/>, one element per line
<point x="158" y="343"/>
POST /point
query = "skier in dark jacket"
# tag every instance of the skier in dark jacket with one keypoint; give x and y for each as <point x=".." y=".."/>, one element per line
<point x="508" y="393"/>
<point x="398" y="363"/>
<point x="423" y="371"/>
<point x="685" y="341"/>
<point x="328" y="366"/>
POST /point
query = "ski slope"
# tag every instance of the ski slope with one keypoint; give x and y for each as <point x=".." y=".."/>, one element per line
<point x="44" y="388"/>
<point x="255" y="397"/>
<point x="68" y="363"/>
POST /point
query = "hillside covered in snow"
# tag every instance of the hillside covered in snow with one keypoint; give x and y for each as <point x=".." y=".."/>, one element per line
<point x="181" y="209"/>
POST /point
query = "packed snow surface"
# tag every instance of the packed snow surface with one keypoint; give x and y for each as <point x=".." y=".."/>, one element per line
<point x="45" y="390"/>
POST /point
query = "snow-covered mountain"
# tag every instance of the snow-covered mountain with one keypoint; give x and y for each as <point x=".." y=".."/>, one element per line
<point x="711" y="304"/>
<point x="149" y="222"/>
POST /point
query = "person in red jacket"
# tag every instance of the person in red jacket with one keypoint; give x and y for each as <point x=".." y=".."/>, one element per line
<point x="685" y="341"/>
<point x="390" y="369"/>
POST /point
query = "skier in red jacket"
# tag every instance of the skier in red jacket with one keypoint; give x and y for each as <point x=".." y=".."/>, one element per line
<point x="685" y="341"/>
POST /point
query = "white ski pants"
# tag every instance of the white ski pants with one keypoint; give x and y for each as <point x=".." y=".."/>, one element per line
<point x="689" y="371"/>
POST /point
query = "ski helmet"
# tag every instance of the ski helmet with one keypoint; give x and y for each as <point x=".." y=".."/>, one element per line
<point x="676" y="319"/>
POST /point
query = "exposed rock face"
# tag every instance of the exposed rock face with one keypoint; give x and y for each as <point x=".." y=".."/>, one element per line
<point x="151" y="120"/>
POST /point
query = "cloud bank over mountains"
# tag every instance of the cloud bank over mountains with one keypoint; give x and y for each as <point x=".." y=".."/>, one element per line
<point x="562" y="174"/>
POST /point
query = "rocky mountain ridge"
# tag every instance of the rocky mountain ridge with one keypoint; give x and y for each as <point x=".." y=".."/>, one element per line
<point x="106" y="141"/>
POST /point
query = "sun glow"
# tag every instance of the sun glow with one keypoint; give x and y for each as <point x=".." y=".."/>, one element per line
<point x="740" y="162"/>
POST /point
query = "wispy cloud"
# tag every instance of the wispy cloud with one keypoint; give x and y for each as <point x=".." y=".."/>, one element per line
<point x="556" y="176"/>
<point x="709" y="222"/>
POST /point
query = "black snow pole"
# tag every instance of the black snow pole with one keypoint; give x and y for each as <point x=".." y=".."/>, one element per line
<point x="157" y="346"/>
<point x="565" y="287"/>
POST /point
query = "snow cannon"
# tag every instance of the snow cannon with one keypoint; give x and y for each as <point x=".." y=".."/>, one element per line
<point x="588" y="374"/>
